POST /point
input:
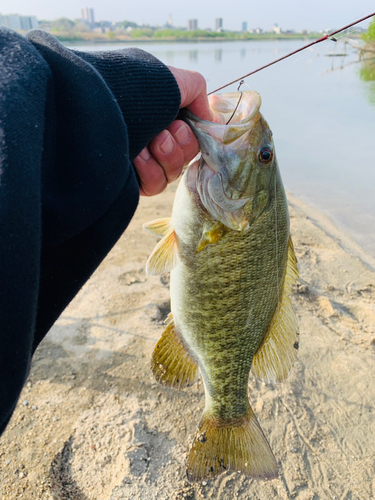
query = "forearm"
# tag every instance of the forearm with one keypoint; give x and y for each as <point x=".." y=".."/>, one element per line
<point x="68" y="189"/>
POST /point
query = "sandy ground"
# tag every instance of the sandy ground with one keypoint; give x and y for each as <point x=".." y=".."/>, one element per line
<point x="92" y="424"/>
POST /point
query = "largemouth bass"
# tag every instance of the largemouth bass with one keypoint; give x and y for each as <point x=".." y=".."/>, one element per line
<point x="232" y="265"/>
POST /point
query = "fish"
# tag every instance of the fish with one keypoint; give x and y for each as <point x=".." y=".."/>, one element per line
<point x="232" y="265"/>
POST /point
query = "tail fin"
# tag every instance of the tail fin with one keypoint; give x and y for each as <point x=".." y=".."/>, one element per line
<point x="240" y="446"/>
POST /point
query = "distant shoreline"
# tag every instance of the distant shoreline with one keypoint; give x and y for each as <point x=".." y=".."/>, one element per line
<point x="178" y="37"/>
<point x="183" y="40"/>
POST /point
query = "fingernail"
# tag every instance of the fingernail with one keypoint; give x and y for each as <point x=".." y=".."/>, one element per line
<point x="145" y="154"/>
<point x="167" y="146"/>
<point x="182" y="135"/>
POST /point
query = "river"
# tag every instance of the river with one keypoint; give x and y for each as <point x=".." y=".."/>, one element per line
<point x="321" y="112"/>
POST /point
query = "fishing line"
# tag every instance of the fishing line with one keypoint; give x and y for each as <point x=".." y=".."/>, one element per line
<point x="246" y="85"/>
<point x="348" y="34"/>
<point x="292" y="63"/>
<point x="330" y="36"/>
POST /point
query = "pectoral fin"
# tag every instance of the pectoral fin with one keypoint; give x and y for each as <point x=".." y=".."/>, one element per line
<point x="171" y="362"/>
<point x="212" y="236"/>
<point x="158" y="227"/>
<point x="164" y="256"/>
<point x="275" y="357"/>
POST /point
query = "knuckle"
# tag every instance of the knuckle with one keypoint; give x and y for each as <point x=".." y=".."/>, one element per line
<point x="155" y="186"/>
<point x="200" y="79"/>
<point x="173" y="168"/>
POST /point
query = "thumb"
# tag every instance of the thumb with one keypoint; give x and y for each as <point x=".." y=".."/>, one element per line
<point x="193" y="91"/>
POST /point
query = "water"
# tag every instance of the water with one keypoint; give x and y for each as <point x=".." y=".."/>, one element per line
<point x="321" y="112"/>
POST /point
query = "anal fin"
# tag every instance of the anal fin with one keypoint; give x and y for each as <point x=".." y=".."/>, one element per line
<point x="171" y="362"/>
<point x="240" y="446"/>
<point x="275" y="357"/>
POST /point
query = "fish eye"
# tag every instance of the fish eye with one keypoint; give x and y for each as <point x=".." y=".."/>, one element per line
<point x="265" y="155"/>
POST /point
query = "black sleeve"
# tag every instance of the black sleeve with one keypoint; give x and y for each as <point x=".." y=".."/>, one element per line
<point x="70" y="125"/>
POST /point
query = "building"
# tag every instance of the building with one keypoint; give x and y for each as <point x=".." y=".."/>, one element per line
<point x="192" y="24"/>
<point x="244" y="26"/>
<point x="276" y="29"/>
<point x="170" y="22"/>
<point x="18" y="23"/>
<point x="11" y="21"/>
<point x="28" y="23"/>
<point x="87" y="15"/>
<point x="219" y="24"/>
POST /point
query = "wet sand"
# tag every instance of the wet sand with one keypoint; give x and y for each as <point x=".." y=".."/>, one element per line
<point x="92" y="424"/>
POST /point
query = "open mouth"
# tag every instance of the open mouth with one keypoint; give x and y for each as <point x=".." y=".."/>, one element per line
<point x="234" y="108"/>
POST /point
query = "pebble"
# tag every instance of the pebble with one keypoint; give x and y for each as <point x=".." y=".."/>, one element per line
<point x="204" y="483"/>
<point x="35" y="407"/>
<point x="303" y="289"/>
<point x="25" y="403"/>
<point x="7" y="462"/>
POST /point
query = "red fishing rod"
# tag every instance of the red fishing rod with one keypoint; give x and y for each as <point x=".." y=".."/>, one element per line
<point x="330" y="36"/>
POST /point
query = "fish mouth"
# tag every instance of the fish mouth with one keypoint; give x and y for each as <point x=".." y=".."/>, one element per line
<point x="228" y="109"/>
<point x="234" y="115"/>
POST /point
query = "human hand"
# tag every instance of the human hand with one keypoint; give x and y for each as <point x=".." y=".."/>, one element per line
<point x="161" y="162"/>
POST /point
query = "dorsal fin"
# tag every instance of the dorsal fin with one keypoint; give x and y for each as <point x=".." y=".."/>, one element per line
<point x="171" y="363"/>
<point x="275" y="357"/>
<point x="164" y="256"/>
<point x="158" y="227"/>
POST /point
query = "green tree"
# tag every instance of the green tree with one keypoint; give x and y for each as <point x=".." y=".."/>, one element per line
<point x="142" y="33"/>
<point x="62" y="24"/>
<point x="369" y="36"/>
<point x="127" y="24"/>
<point x="367" y="70"/>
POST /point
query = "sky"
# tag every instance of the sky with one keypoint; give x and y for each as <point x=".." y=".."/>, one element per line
<point x="289" y="14"/>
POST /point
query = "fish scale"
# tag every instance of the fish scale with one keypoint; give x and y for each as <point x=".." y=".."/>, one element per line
<point x="217" y="299"/>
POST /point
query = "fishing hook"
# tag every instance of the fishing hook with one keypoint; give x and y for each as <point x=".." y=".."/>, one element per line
<point x="238" y="103"/>
<point x="240" y="85"/>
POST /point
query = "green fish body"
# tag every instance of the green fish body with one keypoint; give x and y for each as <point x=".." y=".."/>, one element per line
<point x="232" y="263"/>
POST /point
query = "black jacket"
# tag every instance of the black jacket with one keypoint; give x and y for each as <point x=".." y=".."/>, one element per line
<point x="71" y="123"/>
